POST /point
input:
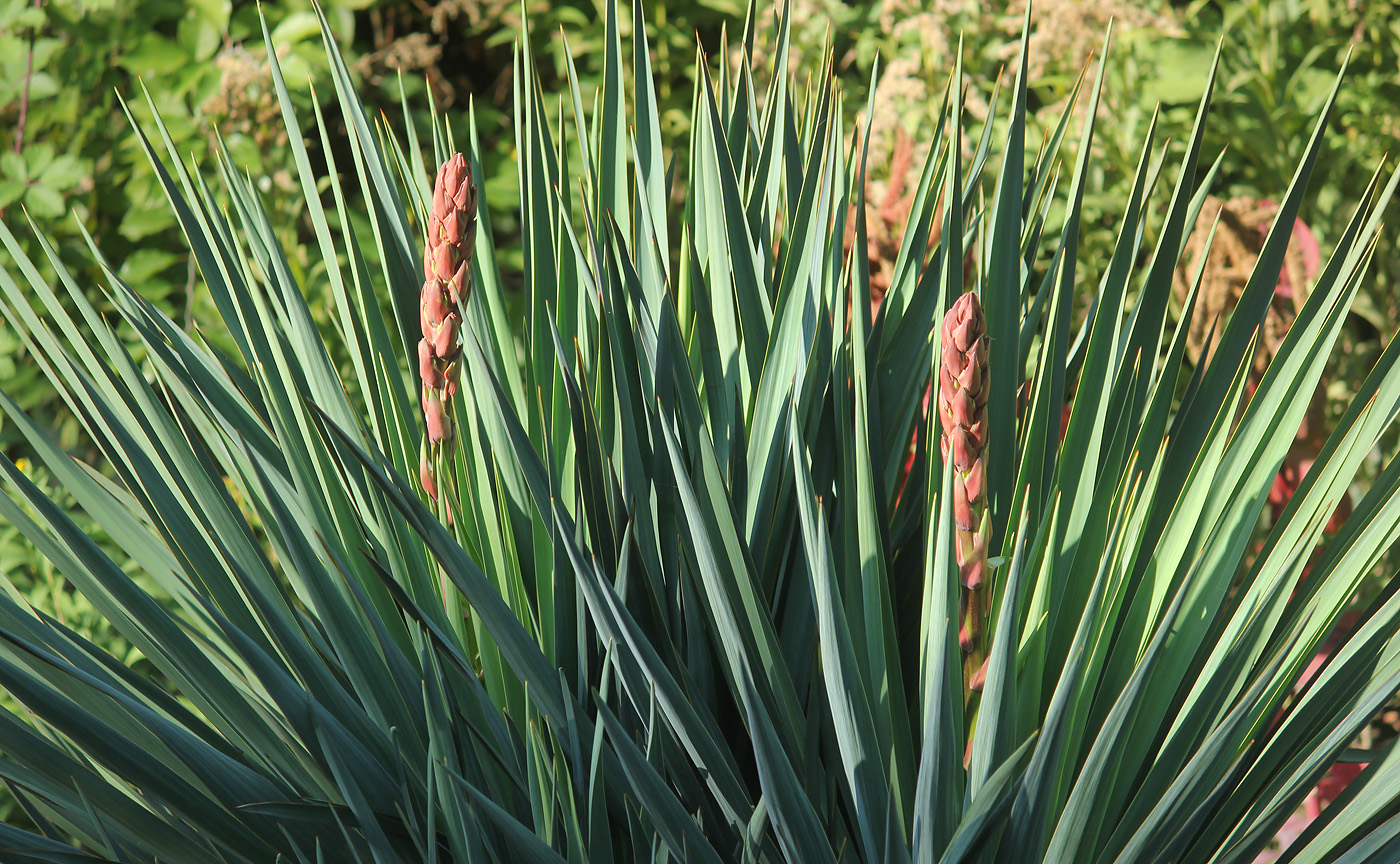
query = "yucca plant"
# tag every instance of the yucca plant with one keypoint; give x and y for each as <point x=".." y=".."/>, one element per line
<point x="681" y="592"/>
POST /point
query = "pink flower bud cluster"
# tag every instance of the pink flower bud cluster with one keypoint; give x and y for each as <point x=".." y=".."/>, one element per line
<point x="962" y="411"/>
<point x="446" y="286"/>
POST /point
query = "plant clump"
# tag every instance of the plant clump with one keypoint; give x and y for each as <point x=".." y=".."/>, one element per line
<point x="681" y="592"/>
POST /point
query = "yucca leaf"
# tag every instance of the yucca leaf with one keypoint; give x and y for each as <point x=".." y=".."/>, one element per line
<point x="798" y="828"/>
<point x="661" y="809"/>
<point x="996" y="717"/>
<point x="1001" y="301"/>
<point x="853" y="713"/>
<point x="988" y="805"/>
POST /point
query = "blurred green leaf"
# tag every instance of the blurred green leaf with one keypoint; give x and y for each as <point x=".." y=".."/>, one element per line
<point x="296" y="27"/>
<point x="144" y="264"/>
<point x="14" y="167"/>
<point x="45" y="202"/>
<point x="10" y="192"/>
<point x="154" y="55"/>
<point x="1182" y="68"/>
<point x="65" y="172"/>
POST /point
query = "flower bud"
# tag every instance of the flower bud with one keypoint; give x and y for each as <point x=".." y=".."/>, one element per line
<point x="425" y="472"/>
<point x="436" y="417"/>
<point x="444" y="338"/>
<point x="427" y="367"/>
<point x="452" y="378"/>
<point x="433" y="305"/>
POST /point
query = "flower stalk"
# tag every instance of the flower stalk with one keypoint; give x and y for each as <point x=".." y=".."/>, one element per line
<point x="446" y="287"/>
<point x="962" y="411"/>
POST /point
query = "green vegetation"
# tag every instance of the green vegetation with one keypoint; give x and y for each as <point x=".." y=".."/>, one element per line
<point x="689" y="582"/>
